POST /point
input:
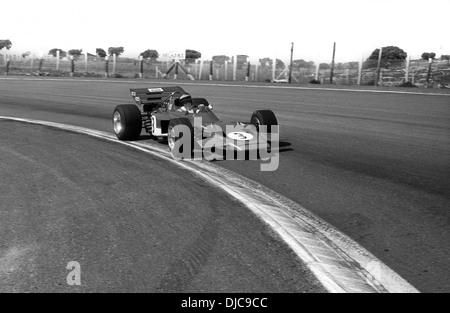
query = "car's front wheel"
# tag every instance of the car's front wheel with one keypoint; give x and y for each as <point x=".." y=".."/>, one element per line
<point x="127" y="122"/>
<point x="180" y="138"/>
<point x="264" y="117"/>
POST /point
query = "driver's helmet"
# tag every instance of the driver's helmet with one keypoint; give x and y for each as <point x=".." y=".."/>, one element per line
<point x="185" y="100"/>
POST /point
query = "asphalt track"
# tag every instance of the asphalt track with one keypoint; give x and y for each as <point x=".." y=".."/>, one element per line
<point x="374" y="165"/>
<point x="68" y="197"/>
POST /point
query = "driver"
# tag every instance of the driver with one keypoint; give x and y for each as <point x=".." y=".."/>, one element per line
<point x="185" y="103"/>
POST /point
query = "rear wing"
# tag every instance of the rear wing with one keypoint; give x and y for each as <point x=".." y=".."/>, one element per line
<point x="153" y="96"/>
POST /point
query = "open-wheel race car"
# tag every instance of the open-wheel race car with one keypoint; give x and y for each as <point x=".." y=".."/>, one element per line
<point x="171" y="113"/>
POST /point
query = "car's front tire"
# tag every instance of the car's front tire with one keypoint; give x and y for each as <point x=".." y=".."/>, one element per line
<point x="184" y="149"/>
<point x="264" y="117"/>
<point x="127" y="122"/>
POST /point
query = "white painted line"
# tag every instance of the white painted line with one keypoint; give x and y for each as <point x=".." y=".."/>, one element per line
<point x="312" y="88"/>
<point x="231" y="85"/>
<point x="338" y="262"/>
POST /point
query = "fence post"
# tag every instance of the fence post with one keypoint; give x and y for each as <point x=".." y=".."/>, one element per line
<point x="256" y="71"/>
<point x="378" y="67"/>
<point x="72" y="66"/>
<point x="58" y="55"/>
<point x="317" y="71"/>
<point x="141" y="67"/>
<point x="86" y="62"/>
<point x="226" y="70"/>
<point x="290" y="64"/>
<point x="175" y="76"/>
<point x="114" y="63"/>
<point x="41" y="61"/>
<point x="430" y="62"/>
<point x="247" y="76"/>
<point x="408" y="61"/>
<point x="196" y="67"/>
<point x="200" y="70"/>
<point x="274" y="68"/>
<point x="235" y="67"/>
<point x="332" y="63"/>
<point x="360" y="71"/>
<point x="211" y="69"/>
<point x="7" y="66"/>
<point x="106" y="66"/>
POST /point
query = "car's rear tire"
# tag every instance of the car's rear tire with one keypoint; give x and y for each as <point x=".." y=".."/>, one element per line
<point x="264" y="117"/>
<point x="172" y="138"/>
<point x="127" y="122"/>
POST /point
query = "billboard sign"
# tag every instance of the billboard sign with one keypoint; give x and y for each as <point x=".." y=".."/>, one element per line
<point x="173" y="55"/>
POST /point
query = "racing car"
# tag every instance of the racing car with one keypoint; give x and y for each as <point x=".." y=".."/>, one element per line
<point x="161" y="111"/>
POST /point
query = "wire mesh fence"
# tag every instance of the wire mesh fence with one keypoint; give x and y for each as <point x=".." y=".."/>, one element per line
<point x="417" y="72"/>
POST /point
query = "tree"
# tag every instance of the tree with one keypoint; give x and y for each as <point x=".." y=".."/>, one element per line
<point x="445" y="57"/>
<point x="390" y="55"/>
<point x="115" y="50"/>
<point x="53" y="52"/>
<point x="351" y="65"/>
<point x="75" y="53"/>
<point x="241" y="60"/>
<point x="324" y="66"/>
<point x="340" y="66"/>
<point x="302" y="64"/>
<point x="269" y="61"/>
<point x="5" y="44"/>
<point x="192" y="55"/>
<point x="266" y="62"/>
<point x="150" y="54"/>
<point x="26" y="54"/>
<point x="220" y="59"/>
<point x="100" y="52"/>
<point x="428" y="55"/>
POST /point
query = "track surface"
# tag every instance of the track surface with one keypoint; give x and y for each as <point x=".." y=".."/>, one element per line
<point x="133" y="225"/>
<point x="376" y="166"/>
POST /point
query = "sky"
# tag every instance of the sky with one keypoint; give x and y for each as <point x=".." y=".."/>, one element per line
<point x="258" y="29"/>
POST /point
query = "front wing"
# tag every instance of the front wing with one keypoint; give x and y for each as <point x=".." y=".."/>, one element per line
<point x="237" y="138"/>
